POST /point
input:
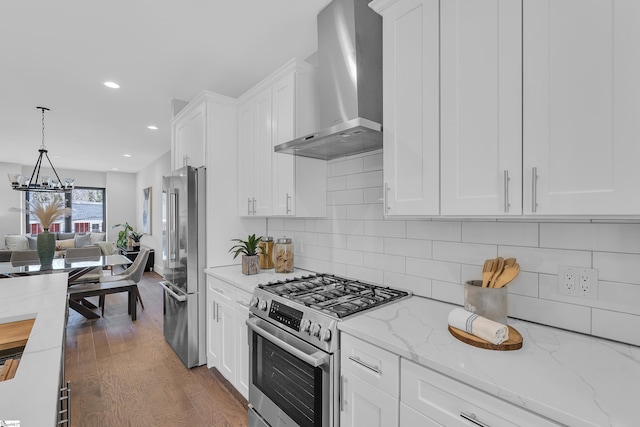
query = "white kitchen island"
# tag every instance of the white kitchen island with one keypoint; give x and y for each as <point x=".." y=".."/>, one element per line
<point x="573" y="379"/>
<point x="32" y="395"/>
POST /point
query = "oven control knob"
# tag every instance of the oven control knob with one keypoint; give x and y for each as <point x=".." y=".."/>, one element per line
<point x="254" y="302"/>
<point x="305" y="325"/>
<point x="262" y="305"/>
<point x="315" y="329"/>
<point x="325" y="335"/>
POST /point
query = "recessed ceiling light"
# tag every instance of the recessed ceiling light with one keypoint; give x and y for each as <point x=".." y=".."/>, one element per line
<point x="127" y="155"/>
<point x="114" y="169"/>
<point x="152" y="127"/>
<point x="112" y="85"/>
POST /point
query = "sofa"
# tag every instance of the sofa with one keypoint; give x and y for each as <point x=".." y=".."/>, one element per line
<point x="21" y="242"/>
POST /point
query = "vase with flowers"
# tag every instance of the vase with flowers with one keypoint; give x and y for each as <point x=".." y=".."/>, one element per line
<point x="48" y="212"/>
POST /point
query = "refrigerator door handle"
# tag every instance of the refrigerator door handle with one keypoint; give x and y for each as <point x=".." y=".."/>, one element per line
<point x="174" y="228"/>
<point x="170" y="291"/>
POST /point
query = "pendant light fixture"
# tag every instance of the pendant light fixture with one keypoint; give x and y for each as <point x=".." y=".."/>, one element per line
<point x="41" y="183"/>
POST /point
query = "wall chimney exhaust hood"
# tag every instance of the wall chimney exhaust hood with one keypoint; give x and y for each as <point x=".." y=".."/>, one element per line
<point x="349" y="84"/>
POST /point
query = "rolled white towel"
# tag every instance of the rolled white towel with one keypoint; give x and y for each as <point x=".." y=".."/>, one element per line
<point x="481" y="327"/>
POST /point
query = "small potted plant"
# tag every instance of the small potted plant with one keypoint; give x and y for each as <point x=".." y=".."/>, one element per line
<point x="136" y="236"/>
<point x="250" y="250"/>
<point x="128" y="232"/>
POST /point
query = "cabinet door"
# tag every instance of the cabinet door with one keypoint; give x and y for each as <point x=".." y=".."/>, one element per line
<point x="364" y="405"/>
<point x="581" y="107"/>
<point x="226" y="324"/>
<point x="284" y="111"/>
<point x="180" y="138"/>
<point x="242" y="348"/>
<point x="213" y="344"/>
<point x="247" y="158"/>
<point x="411" y="88"/>
<point x="263" y="149"/>
<point x="196" y="144"/>
<point x="481" y="107"/>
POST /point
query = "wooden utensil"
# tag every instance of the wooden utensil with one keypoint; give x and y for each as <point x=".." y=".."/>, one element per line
<point x="509" y="262"/>
<point x="507" y="275"/>
<point x="487" y="271"/>
<point x="497" y="271"/>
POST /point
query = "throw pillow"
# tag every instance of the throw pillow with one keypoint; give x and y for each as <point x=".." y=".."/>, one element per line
<point x="65" y="236"/>
<point x="82" y="241"/>
<point x="16" y="242"/>
<point x="64" y="244"/>
<point x="98" y="237"/>
<point x="108" y="248"/>
<point x="33" y="243"/>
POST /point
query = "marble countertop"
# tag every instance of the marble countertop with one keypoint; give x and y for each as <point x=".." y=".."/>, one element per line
<point x="32" y="395"/>
<point x="233" y="274"/>
<point x="574" y="379"/>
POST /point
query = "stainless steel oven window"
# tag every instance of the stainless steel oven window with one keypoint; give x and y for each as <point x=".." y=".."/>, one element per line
<point x="292" y="384"/>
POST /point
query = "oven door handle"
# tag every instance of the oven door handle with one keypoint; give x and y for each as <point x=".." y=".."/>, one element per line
<point x="316" y="359"/>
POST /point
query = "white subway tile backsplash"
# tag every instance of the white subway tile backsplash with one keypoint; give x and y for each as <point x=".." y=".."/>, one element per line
<point x="416" y="285"/>
<point x="301" y="238"/>
<point x="616" y="326"/>
<point x="346" y="256"/>
<point x="407" y="247"/>
<point x="373" y="211"/>
<point x="317" y="252"/>
<point x="447" y="292"/>
<point x="393" y="263"/>
<point x="346" y="167"/>
<point x="437" y="270"/>
<point x="567" y="316"/>
<point x="501" y="233"/>
<point x="372" y="195"/>
<point x="275" y="223"/>
<point x="435" y="230"/>
<point x="366" y="274"/>
<point x="384" y="228"/>
<point x="525" y="284"/>
<point x="337" y="212"/>
<point x="617" y="267"/>
<point x="464" y="253"/>
<point x="365" y="243"/>
<point x="332" y="240"/>
<point x="347" y="227"/>
<point x="545" y="260"/>
<point x="373" y="162"/>
<point x="345" y="197"/>
<point x="294" y="224"/>
<point x="593" y="236"/>
<point x="337" y="183"/>
<point x="365" y="180"/>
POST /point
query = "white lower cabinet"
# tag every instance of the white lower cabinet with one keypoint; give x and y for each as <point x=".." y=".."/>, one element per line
<point x="410" y="418"/>
<point x="227" y="345"/>
<point x="369" y="385"/>
<point x="449" y="402"/>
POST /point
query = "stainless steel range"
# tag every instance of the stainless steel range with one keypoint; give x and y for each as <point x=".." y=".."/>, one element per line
<point x="295" y="347"/>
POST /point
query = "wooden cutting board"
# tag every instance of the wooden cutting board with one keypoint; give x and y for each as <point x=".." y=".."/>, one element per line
<point x="9" y="369"/>
<point x="15" y="334"/>
<point x="513" y="343"/>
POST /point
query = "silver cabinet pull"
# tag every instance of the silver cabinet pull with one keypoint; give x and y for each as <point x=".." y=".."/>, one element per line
<point x="217" y="312"/>
<point x="249" y="206"/>
<point x="506" y="191"/>
<point x="254" y="205"/>
<point x="534" y="189"/>
<point x="472" y="418"/>
<point x="288" y="204"/>
<point x="374" y="368"/>
<point x="244" y="304"/>
<point x="343" y="397"/>
<point x="386" y="198"/>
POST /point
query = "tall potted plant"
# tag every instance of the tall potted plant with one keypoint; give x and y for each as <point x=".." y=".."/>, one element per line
<point x="47" y="213"/>
<point x="250" y="250"/>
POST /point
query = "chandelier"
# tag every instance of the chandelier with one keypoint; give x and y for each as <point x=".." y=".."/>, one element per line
<point x="41" y="183"/>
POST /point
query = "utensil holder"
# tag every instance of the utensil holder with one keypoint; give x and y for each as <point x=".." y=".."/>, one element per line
<point x="486" y="302"/>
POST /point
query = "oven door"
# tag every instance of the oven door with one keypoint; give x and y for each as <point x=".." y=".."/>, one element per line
<point x="291" y="383"/>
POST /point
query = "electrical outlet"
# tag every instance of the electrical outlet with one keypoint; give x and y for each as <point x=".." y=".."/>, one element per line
<point x="576" y="281"/>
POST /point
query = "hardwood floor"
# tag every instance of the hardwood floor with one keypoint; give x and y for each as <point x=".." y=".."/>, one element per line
<point x="123" y="373"/>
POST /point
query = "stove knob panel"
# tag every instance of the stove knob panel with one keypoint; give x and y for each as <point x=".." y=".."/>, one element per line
<point x="325" y="335"/>
<point x="305" y="325"/>
<point x="262" y="305"/>
<point x="315" y="329"/>
<point x="254" y="302"/>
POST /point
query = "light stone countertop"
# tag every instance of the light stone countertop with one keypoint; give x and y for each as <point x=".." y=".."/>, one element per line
<point x="574" y="379"/>
<point x="232" y="274"/>
<point x="32" y="395"/>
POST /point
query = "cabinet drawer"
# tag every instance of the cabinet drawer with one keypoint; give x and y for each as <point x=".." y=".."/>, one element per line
<point x="448" y="401"/>
<point x="372" y="364"/>
<point x="222" y="290"/>
<point x="242" y="298"/>
<point x="410" y="417"/>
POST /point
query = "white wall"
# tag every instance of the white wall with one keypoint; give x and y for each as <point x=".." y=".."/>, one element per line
<point x="433" y="258"/>
<point x="9" y="198"/>
<point x="151" y="176"/>
<point x="121" y="201"/>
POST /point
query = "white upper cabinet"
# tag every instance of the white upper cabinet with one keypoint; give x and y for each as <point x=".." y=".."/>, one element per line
<point x="581" y="107"/>
<point x="411" y="155"/>
<point x="189" y="136"/>
<point x="480" y="107"/>
<point x="277" y="110"/>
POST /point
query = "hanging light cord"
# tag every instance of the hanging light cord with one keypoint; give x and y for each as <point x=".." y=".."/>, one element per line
<point x="43" y="108"/>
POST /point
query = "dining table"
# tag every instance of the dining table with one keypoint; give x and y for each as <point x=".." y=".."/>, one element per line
<point x="75" y="267"/>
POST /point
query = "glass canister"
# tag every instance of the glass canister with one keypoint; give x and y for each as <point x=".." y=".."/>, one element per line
<point x="266" y="256"/>
<point x="283" y="255"/>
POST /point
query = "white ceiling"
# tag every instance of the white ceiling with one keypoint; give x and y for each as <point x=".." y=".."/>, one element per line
<point x="57" y="54"/>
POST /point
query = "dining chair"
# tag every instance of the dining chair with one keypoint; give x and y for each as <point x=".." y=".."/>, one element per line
<point x="24" y="257"/>
<point x="86" y="253"/>
<point x="133" y="274"/>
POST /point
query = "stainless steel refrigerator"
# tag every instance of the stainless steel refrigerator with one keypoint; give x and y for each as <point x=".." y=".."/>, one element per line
<point x="184" y="281"/>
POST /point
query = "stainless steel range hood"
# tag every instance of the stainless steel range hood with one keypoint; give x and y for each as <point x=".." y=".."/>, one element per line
<point x="349" y="84"/>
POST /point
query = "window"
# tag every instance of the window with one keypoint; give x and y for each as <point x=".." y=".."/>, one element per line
<point x="87" y="211"/>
